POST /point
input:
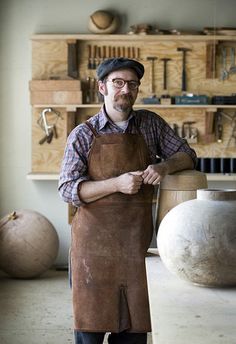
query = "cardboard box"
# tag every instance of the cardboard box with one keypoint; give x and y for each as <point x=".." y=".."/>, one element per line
<point x="55" y="85"/>
<point x="55" y="92"/>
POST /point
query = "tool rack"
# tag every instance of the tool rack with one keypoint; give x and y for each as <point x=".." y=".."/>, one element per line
<point x="74" y="57"/>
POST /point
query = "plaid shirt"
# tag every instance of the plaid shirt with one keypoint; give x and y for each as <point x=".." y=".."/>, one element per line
<point x="161" y="140"/>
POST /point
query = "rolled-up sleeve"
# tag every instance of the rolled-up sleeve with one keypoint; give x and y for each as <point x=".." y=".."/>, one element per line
<point x="170" y="143"/>
<point x="73" y="168"/>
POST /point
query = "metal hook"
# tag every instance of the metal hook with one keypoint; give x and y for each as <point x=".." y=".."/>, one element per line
<point x="45" y="124"/>
<point x="42" y="121"/>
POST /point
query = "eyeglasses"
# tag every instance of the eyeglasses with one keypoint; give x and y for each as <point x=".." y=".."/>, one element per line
<point x="120" y="83"/>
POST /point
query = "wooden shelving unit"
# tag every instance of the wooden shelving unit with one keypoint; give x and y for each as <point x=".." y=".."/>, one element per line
<point x="50" y="57"/>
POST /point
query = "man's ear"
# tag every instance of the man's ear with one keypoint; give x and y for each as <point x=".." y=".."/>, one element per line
<point x="102" y="87"/>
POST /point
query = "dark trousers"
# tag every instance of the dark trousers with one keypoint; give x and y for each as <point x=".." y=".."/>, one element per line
<point x="113" y="338"/>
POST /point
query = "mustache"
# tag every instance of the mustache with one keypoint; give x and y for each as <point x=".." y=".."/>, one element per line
<point x="124" y="97"/>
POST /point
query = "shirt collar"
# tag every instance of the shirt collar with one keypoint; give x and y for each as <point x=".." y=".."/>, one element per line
<point x="103" y="118"/>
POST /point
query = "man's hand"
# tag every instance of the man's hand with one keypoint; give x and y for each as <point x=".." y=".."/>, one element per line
<point x="177" y="162"/>
<point x="129" y="183"/>
<point x="154" y="173"/>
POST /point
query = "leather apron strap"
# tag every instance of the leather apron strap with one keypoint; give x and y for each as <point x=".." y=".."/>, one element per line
<point x="91" y="128"/>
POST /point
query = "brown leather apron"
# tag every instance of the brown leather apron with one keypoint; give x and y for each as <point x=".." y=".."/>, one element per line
<point x="110" y="238"/>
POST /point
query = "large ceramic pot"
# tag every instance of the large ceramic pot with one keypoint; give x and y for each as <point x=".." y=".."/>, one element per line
<point x="197" y="239"/>
<point x="28" y="244"/>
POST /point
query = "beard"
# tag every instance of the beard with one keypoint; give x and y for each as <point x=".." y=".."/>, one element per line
<point x="123" y="103"/>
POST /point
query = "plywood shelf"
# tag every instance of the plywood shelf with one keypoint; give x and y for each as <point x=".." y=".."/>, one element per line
<point x="221" y="177"/>
<point x="42" y="176"/>
<point x="210" y="176"/>
<point x="72" y="107"/>
<point x="134" y="37"/>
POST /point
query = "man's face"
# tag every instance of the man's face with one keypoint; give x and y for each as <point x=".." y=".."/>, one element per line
<point x="120" y="99"/>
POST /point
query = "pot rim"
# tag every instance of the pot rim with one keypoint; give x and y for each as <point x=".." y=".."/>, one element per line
<point x="216" y="194"/>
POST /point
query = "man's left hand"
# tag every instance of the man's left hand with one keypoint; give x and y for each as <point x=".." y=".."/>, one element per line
<point x="154" y="173"/>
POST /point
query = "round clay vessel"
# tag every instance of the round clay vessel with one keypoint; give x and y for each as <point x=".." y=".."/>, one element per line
<point x="197" y="239"/>
<point x="28" y="244"/>
<point x="103" y="22"/>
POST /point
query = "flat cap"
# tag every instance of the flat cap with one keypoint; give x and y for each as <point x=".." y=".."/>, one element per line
<point x="112" y="64"/>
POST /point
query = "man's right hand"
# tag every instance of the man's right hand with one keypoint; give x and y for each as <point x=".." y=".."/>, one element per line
<point x="129" y="183"/>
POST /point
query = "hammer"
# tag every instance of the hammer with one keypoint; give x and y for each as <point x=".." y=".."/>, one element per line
<point x="165" y="60"/>
<point x="152" y="59"/>
<point x="184" y="76"/>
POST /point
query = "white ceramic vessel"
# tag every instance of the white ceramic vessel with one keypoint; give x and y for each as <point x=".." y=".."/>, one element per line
<point x="197" y="239"/>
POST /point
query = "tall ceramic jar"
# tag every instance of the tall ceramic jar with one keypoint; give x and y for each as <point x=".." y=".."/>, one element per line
<point x="197" y="239"/>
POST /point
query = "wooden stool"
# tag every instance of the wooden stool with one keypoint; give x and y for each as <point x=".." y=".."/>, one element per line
<point x="177" y="188"/>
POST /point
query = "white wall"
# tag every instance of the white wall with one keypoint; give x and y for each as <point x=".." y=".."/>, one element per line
<point x="19" y="19"/>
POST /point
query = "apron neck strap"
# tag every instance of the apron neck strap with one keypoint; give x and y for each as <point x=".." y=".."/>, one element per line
<point x="91" y="128"/>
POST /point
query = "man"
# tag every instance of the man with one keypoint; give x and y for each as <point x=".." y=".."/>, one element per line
<point x="109" y="171"/>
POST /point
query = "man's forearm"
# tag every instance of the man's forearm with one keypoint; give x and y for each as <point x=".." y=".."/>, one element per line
<point x="90" y="191"/>
<point x="128" y="183"/>
<point x="178" y="162"/>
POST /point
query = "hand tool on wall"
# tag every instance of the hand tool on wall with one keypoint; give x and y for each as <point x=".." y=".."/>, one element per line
<point x="165" y="97"/>
<point x="233" y="135"/>
<point x="165" y="60"/>
<point x="209" y="135"/>
<point x="218" y="127"/>
<point x="175" y="127"/>
<point x="152" y="99"/>
<point x="90" y="90"/>
<point x="211" y="60"/>
<point x="232" y="119"/>
<point x="189" y="133"/>
<point x="90" y="62"/>
<point x="72" y="61"/>
<point x="93" y="90"/>
<point x="232" y="68"/>
<point x="224" y="71"/>
<point x="94" y="52"/>
<point x="99" y="56"/>
<point x="152" y="73"/>
<point x="50" y="130"/>
<point x="103" y="52"/>
<point x="184" y="73"/>
<point x="186" y="129"/>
